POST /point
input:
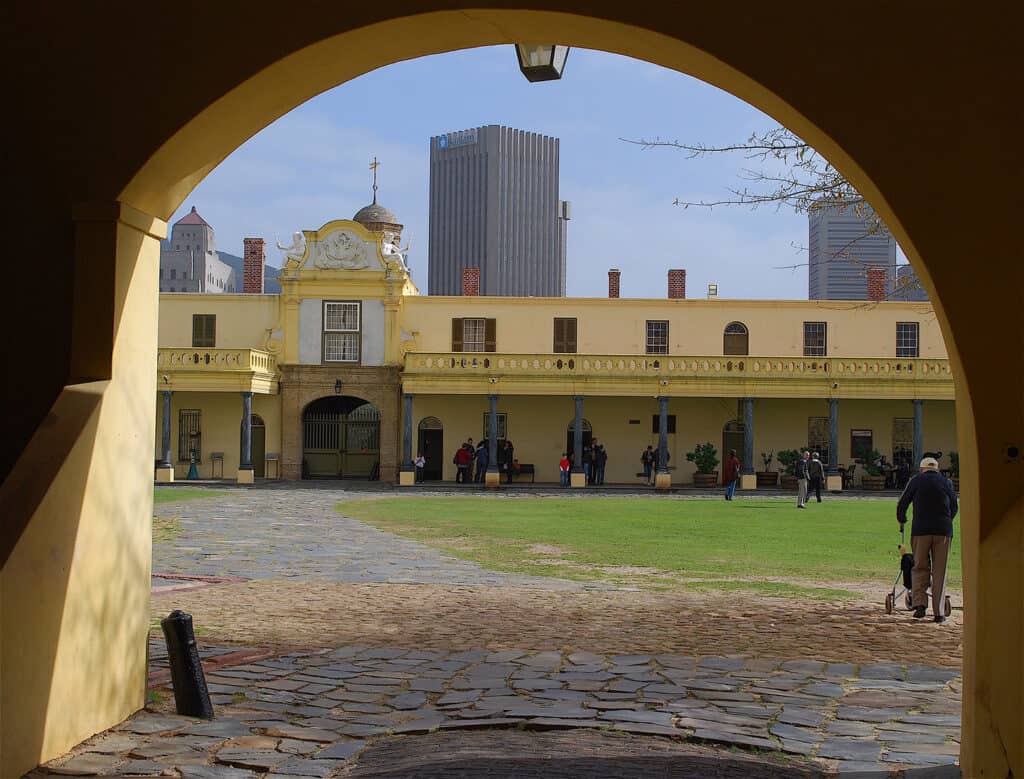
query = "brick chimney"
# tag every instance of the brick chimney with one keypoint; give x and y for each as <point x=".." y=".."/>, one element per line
<point x="676" y="284"/>
<point x="470" y="281"/>
<point x="613" y="282"/>
<point x="255" y="257"/>
<point x="876" y="283"/>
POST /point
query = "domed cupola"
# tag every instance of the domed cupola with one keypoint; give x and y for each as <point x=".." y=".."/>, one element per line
<point x="376" y="217"/>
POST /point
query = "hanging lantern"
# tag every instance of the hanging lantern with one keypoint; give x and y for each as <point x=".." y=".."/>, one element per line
<point x="541" y="63"/>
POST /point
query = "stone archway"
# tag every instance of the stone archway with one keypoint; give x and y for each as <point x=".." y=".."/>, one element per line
<point x="100" y="194"/>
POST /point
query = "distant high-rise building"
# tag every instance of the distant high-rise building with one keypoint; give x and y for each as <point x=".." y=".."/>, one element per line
<point x="494" y="205"/>
<point x="841" y="249"/>
<point x="908" y="287"/>
<point x="189" y="261"/>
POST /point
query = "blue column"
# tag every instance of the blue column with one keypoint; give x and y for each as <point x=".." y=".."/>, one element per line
<point x="492" y="439"/>
<point x="407" y="435"/>
<point x="833" y="436"/>
<point x="748" y="435"/>
<point x="577" y="437"/>
<point x="918" y="434"/>
<point x="165" y="433"/>
<point x="662" y="434"/>
<point x="245" y="458"/>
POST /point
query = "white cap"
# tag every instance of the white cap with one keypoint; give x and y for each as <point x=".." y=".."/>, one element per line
<point x="930" y="463"/>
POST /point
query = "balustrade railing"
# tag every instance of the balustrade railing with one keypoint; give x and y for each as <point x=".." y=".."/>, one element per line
<point x="653" y="366"/>
<point x="199" y="359"/>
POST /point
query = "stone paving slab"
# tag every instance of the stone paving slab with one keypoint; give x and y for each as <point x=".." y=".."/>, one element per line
<point x="336" y="732"/>
<point x="320" y="544"/>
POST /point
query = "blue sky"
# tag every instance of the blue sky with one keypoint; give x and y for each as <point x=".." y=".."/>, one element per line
<point x="312" y="165"/>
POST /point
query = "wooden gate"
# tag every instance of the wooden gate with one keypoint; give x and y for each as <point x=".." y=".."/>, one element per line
<point x="337" y="444"/>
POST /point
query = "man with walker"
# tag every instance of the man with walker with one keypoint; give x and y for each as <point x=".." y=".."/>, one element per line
<point x="931" y="534"/>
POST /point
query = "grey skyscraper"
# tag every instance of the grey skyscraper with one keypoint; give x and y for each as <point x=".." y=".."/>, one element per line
<point x="840" y="252"/>
<point x="494" y="205"/>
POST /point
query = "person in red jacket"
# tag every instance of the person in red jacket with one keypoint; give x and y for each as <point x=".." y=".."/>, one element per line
<point x="563" y="469"/>
<point x="463" y="457"/>
<point x="731" y="473"/>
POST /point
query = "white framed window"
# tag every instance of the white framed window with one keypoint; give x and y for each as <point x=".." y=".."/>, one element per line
<point x="657" y="336"/>
<point x="907" y="339"/>
<point x="473" y="335"/>
<point x="341" y="334"/>
<point x="815" y="339"/>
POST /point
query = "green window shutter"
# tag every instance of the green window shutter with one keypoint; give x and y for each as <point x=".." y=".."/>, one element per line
<point x="490" y="335"/>
<point x="456" y="335"/>
<point x="559" y="345"/>
<point x="197" y="330"/>
<point x="570" y="336"/>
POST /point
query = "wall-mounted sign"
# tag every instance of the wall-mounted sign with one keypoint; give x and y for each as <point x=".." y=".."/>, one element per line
<point x="460" y="138"/>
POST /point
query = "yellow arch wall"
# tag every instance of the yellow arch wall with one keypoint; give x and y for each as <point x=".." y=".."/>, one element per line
<point x="114" y="128"/>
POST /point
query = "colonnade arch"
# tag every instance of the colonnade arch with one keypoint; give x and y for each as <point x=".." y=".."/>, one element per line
<point x="920" y="157"/>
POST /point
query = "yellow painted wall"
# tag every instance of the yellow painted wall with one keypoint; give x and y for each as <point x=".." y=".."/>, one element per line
<point x="524" y="325"/>
<point x="75" y="590"/>
<point x="537" y="427"/>
<point x="243" y="321"/>
<point x="221" y="428"/>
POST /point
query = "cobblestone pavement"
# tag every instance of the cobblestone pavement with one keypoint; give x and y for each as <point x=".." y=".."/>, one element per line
<point x="296" y="534"/>
<point x="338" y="713"/>
<point x="391" y="659"/>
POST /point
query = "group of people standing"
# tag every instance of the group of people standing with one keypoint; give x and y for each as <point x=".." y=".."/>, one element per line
<point x="471" y="462"/>
<point x="650" y="459"/>
<point x="594" y="460"/>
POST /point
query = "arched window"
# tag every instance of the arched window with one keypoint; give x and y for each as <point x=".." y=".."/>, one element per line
<point x="736" y="339"/>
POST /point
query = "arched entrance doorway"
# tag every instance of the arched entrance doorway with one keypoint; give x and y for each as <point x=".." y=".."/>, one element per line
<point x="340" y="439"/>
<point x="570" y="431"/>
<point x="732" y="438"/>
<point x="430" y="443"/>
<point x="259" y="445"/>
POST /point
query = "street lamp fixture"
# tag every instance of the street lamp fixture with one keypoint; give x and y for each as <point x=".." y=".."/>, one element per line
<point x="337" y="386"/>
<point x="541" y="63"/>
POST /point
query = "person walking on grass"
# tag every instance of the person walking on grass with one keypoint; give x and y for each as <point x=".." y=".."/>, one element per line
<point x="816" y="472"/>
<point x="802" y="475"/>
<point x="931" y="535"/>
<point x="731" y="474"/>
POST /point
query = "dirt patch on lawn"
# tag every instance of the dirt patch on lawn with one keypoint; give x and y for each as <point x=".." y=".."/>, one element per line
<point x="324" y="614"/>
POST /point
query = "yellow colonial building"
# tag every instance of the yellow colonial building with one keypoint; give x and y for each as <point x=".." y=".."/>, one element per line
<point x="350" y="373"/>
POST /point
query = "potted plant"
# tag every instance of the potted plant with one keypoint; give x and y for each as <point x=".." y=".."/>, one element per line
<point x="788" y="459"/>
<point x="873" y="478"/>
<point x="705" y="456"/>
<point x="954" y="470"/>
<point x="767" y="477"/>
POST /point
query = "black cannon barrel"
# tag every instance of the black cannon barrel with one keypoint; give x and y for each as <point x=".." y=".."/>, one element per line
<point x="191" y="697"/>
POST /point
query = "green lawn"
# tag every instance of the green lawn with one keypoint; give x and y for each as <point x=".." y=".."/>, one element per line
<point x="178" y="494"/>
<point x="696" y="544"/>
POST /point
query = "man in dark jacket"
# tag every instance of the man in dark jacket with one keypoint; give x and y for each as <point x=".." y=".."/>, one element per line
<point x="931" y="534"/>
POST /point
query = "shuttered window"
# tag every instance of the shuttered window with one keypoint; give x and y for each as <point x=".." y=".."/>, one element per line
<point x="204" y="330"/>
<point x="472" y="334"/>
<point x="565" y="335"/>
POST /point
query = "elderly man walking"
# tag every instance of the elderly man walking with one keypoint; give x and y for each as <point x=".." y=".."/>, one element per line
<point x="802" y="474"/>
<point x="931" y="534"/>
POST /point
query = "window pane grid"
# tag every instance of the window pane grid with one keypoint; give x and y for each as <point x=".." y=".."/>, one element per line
<point x="817" y="438"/>
<point x="188" y="423"/>
<point x="815" y="339"/>
<point x="472" y="335"/>
<point x="657" y="337"/>
<point x="341" y="347"/>
<point x="341" y="317"/>
<point x="906" y="339"/>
